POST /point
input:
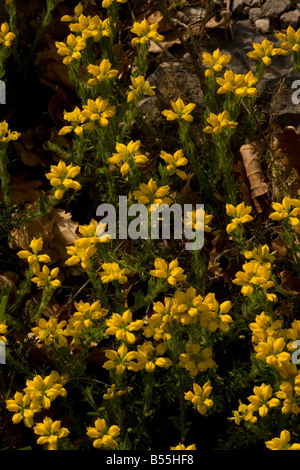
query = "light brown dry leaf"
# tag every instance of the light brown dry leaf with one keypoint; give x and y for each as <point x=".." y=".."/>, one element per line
<point x="57" y="230"/>
<point x="254" y="173"/>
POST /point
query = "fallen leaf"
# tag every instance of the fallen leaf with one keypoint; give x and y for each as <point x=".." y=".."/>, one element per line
<point x="254" y="173"/>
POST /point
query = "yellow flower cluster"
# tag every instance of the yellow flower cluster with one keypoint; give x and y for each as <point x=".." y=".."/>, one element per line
<point x="62" y="177"/>
<point x="39" y="393"/>
<point x="290" y="42"/>
<point x="6" y="36"/>
<point x="102" y="436"/>
<point x="180" y="111"/>
<point x="219" y="123"/>
<point x="49" y="432"/>
<point x="174" y="161"/>
<point x="96" y="111"/>
<point x="128" y="156"/>
<point x="150" y="193"/>
<point x="138" y="87"/>
<point x="85" y="247"/>
<point x="240" y="84"/>
<point x="215" y="61"/>
<point x="199" y="397"/>
<point x="42" y="276"/>
<point x="256" y="273"/>
<point x="288" y="210"/>
<point x="145" y="32"/>
<point x="84" y="27"/>
<point x="6" y="135"/>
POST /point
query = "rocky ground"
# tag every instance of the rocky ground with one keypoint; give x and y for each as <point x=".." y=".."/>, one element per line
<point x="250" y="21"/>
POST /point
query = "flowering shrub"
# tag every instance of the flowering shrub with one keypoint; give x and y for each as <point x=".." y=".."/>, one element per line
<point x="136" y="344"/>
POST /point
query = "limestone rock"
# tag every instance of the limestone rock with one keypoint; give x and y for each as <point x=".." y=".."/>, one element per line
<point x="274" y="8"/>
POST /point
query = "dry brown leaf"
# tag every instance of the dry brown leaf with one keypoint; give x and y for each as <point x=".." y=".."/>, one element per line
<point x="279" y="245"/>
<point x="290" y="284"/>
<point x="254" y="173"/>
<point x="57" y="230"/>
<point x="288" y="144"/>
<point x="23" y="190"/>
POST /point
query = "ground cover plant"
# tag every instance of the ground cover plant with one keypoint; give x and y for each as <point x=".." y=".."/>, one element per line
<point x="115" y="343"/>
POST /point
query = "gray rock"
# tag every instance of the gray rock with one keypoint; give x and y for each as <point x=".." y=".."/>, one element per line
<point x="263" y="25"/>
<point x="274" y="8"/>
<point x="255" y="14"/>
<point x="246" y="10"/>
<point x="237" y="6"/>
<point x="290" y="18"/>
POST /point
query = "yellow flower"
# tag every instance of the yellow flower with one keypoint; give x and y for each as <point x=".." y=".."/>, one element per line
<point x="262" y="51"/>
<point x="138" y="87"/>
<point x="261" y="401"/>
<point x="23" y="408"/>
<point x="77" y="12"/>
<point x="200" y="396"/>
<point x="122" y="325"/>
<point x="215" y="61"/>
<point x="119" y="360"/>
<point x="282" y="442"/>
<point x="180" y="111"/>
<point x="148" y="357"/>
<point x="187" y="306"/>
<point x="193" y="220"/>
<point x="285" y="210"/>
<point x="272" y="351"/>
<point x="107" y="3"/>
<point x="50" y="331"/>
<point x="127" y="155"/>
<point x="261" y="254"/>
<point x="101" y="72"/>
<point x="112" y="392"/>
<point x="183" y="447"/>
<point x="172" y="272"/>
<point x="79" y="124"/>
<point x="243" y="413"/>
<point x="150" y="194"/>
<point x="174" y="161"/>
<point x="80" y="254"/>
<point x="241" y="85"/>
<point x="196" y="359"/>
<point x="112" y="272"/>
<point x="263" y="327"/>
<point x="216" y="315"/>
<point x="98" y="111"/>
<point x="46" y="277"/>
<point x="3" y="331"/>
<point x="61" y="178"/>
<point x="33" y="257"/>
<point x="44" y="391"/>
<point x="146" y="32"/>
<point x="290" y="42"/>
<point x="102" y="435"/>
<point x="6" y="135"/>
<point x="239" y="215"/>
<point x="50" y="431"/>
<point x="219" y="123"/>
<point x="253" y="274"/>
<point x="72" y="49"/>
<point x="6" y="37"/>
